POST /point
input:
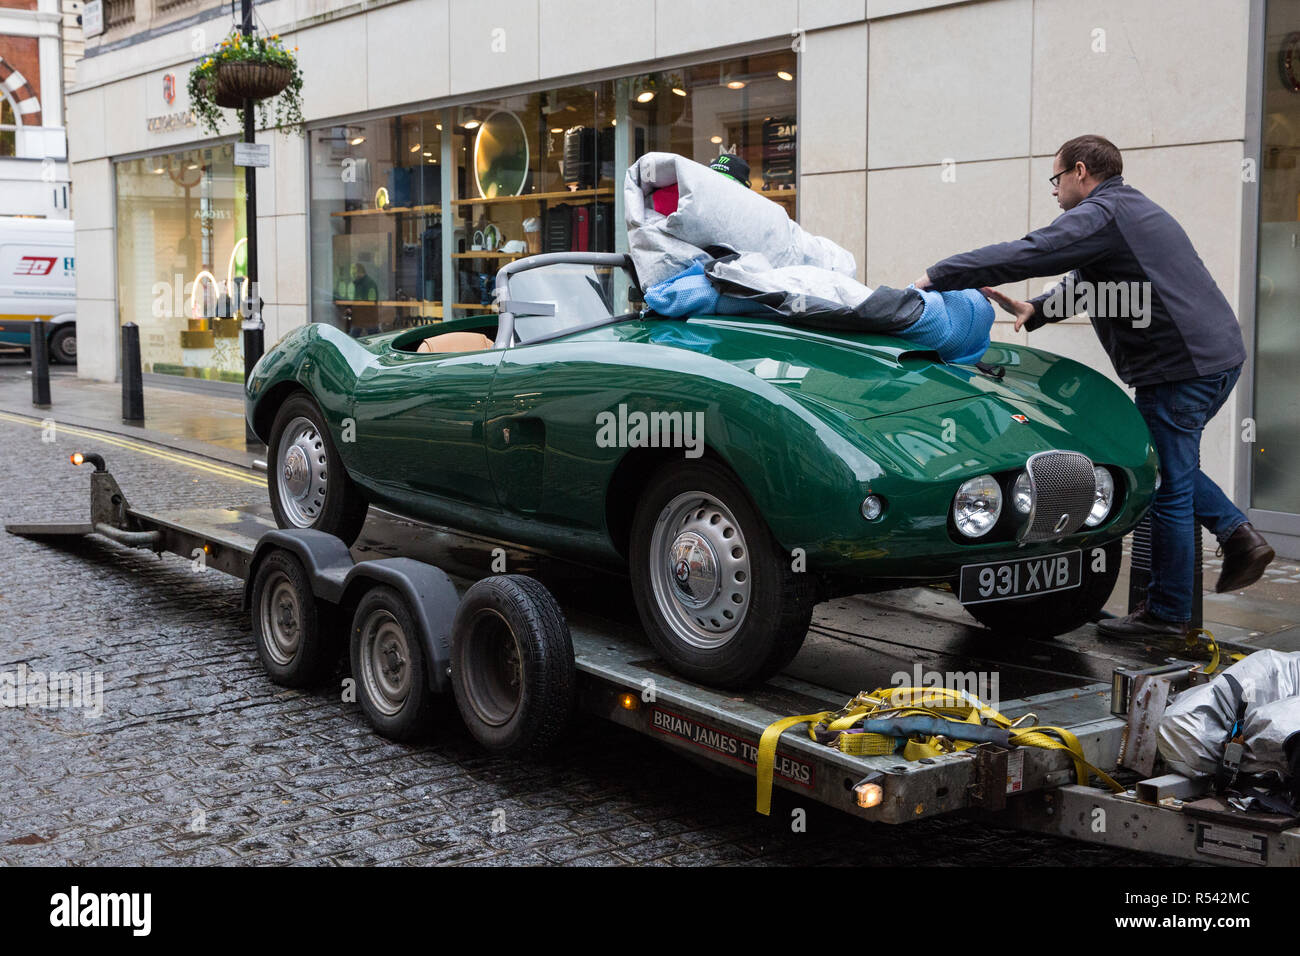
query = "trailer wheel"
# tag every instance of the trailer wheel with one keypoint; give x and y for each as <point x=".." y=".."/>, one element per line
<point x="285" y="622"/>
<point x="389" y="667"/>
<point x="512" y="666"/>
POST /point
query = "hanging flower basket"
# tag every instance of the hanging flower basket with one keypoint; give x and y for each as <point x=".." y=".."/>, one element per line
<point x="242" y="68"/>
<point x="245" y="80"/>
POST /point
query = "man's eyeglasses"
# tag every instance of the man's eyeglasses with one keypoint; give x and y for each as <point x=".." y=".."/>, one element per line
<point x="1056" y="180"/>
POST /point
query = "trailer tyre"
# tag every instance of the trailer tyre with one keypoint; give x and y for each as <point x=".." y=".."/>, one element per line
<point x="388" y="666"/>
<point x="512" y="669"/>
<point x="285" y="622"/>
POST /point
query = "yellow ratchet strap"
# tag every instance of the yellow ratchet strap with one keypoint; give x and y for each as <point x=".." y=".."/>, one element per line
<point x="767" y="754"/>
<point x="957" y="706"/>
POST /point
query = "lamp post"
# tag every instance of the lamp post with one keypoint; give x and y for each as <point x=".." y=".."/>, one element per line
<point x="252" y="326"/>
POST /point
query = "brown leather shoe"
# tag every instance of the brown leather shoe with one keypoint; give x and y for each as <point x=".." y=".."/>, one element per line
<point x="1245" y="556"/>
<point x="1141" y="623"/>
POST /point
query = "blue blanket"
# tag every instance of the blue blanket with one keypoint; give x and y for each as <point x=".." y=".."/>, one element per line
<point x="954" y="324"/>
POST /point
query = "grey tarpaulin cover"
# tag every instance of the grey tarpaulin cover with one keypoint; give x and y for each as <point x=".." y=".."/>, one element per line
<point x="711" y="210"/>
<point x="1196" y="725"/>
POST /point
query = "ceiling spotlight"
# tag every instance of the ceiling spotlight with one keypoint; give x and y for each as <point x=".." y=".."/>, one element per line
<point x="415" y="148"/>
<point x="437" y="126"/>
<point x="715" y="139"/>
<point x="679" y="91"/>
<point x="192" y="166"/>
<point x="785" y="75"/>
<point x="557" y="129"/>
<point x="646" y="96"/>
<point x="158" y="169"/>
<point x="471" y="124"/>
<point x="736" y="85"/>
<point x="357" y="140"/>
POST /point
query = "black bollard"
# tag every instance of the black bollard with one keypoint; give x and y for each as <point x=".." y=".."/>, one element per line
<point x="40" y="365"/>
<point x="132" y="379"/>
<point x="252" y="352"/>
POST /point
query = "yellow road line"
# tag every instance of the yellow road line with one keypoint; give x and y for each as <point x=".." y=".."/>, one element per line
<point x="178" y="459"/>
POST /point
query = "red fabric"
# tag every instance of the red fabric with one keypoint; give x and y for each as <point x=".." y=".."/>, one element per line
<point x="665" y="200"/>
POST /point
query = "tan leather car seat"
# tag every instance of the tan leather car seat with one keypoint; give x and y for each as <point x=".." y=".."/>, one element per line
<point x="456" y="342"/>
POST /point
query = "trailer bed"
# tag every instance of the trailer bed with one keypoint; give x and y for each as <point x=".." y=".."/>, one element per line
<point x="854" y="644"/>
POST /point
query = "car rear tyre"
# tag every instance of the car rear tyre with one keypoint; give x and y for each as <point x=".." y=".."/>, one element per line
<point x="305" y="477"/>
<point x="1058" y="613"/>
<point x="716" y="593"/>
<point x="285" y="622"/>
<point x="63" y="345"/>
<point x="388" y="666"/>
<point x="512" y="669"/>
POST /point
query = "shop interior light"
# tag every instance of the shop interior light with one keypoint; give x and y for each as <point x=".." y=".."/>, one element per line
<point x="715" y="139"/>
<point x="428" y="154"/>
<point x="159" y="170"/>
<point x="438" y="127"/>
<point x="646" y="96"/>
<point x="357" y="140"/>
<point x="194" y="291"/>
<point x="736" y="85"/>
<point x="679" y="91"/>
<point x="471" y="124"/>
<point x="192" y="166"/>
<point x="415" y="148"/>
<point x="557" y="129"/>
<point x="785" y="75"/>
<point x="230" y="273"/>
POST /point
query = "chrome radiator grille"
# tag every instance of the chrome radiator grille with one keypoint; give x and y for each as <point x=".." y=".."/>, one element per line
<point x="1062" y="489"/>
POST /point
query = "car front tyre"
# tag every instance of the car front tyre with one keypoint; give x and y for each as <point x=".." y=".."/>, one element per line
<point x="308" y="485"/>
<point x="717" y="595"/>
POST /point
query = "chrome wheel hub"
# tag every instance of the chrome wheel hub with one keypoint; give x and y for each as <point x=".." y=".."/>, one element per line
<point x="302" y="472"/>
<point x="700" y="570"/>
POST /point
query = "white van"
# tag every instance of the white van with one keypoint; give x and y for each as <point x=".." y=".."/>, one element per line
<point x="38" y="279"/>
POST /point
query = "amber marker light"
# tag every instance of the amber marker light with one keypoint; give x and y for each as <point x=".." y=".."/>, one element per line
<point x="628" y="701"/>
<point x="77" y="458"/>
<point x="869" y="794"/>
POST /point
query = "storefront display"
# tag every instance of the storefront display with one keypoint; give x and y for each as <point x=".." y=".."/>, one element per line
<point x="412" y="215"/>
<point x="182" y="260"/>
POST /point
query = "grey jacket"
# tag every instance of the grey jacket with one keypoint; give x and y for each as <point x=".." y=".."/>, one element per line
<point x="1155" y="307"/>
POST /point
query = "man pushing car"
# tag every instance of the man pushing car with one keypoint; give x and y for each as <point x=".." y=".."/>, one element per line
<point x="1171" y="335"/>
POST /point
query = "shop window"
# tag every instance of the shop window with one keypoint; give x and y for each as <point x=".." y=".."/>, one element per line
<point x="376" y="195"/>
<point x="182" y="261"/>
<point x="397" y="240"/>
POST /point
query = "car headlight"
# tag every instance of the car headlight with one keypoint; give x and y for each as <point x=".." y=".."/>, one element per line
<point x="1104" y="499"/>
<point x="977" y="505"/>
<point x="1022" y="498"/>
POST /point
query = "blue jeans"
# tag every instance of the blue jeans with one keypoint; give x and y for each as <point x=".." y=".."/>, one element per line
<point x="1176" y="412"/>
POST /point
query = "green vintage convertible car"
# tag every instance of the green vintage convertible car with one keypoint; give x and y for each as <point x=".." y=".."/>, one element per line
<point x="739" y="468"/>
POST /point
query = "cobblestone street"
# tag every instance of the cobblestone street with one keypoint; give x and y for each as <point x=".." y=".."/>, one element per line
<point x="199" y="759"/>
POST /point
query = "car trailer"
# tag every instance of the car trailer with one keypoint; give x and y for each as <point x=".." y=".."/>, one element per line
<point x="420" y="631"/>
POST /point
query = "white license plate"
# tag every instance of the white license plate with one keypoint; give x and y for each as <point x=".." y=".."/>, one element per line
<point x="1024" y="577"/>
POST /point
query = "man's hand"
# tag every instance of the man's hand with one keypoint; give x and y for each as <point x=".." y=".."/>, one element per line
<point x="1023" y="311"/>
<point x="923" y="282"/>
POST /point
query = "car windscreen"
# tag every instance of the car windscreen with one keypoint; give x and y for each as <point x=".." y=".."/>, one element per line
<point x="581" y="295"/>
